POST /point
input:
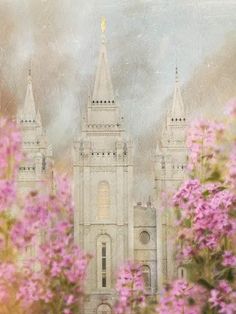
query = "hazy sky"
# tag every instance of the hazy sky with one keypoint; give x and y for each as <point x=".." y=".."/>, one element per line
<point x="145" y="40"/>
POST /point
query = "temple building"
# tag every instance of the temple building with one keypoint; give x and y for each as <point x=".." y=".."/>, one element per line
<point x="107" y="223"/>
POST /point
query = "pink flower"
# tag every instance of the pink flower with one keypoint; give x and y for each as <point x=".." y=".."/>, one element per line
<point x="10" y="149"/>
<point x="204" y="217"/>
<point x="55" y="269"/>
<point x="22" y="234"/>
<point x="232" y="167"/>
<point x="229" y="259"/>
<point x="180" y="297"/>
<point x="7" y="194"/>
<point x="130" y="287"/>
<point x="188" y="195"/>
<point x="70" y="299"/>
<point x="231" y="108"/>
<point x="223" y="298"/>
<point x="202" y="142"/>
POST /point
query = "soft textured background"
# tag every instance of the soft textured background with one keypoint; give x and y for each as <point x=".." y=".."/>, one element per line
<point x="145" y="40"/>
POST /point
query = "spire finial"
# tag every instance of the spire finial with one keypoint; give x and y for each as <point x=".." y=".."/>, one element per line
<point x="103" y="89"/>
<point x="176" y="74"/>
<point x="30" y="71"/>
<point x="103" y="24"/>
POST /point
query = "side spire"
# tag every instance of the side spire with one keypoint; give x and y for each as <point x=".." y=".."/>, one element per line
<point x="29" y="111"/>
<point x="103" y="90"/>
<point x="178" y="109"/>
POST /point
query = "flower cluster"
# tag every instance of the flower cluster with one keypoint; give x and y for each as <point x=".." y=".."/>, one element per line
<point x="52" y="280"/>
<point x="203" y="145"/>
<point x="223" y="298"/>
<point x="229" y="259"/>
<point x="232" y="167"/>
<point x="10" y="157"/>
<point x="182" y="297"/>
<point x="61" y="265"/>
<point x="40" y="211"/>
<point x="130" y="288"/>
<point x="206" y="216"/>
<point x="206" y="211"/>
<point x="59" y="282"/>
<point x="10" y="149"/>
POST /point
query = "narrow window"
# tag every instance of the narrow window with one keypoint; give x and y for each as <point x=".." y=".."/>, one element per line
<point x="44" y="163"/>
<point x="146" y="277"/>
<point x="182" y="273"/>
<point x="104" y="262"/>
<point x="104" y="266"/>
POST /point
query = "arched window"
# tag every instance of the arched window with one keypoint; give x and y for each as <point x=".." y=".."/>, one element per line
<point x="146" y="276"/>
<point x="104" y="261"/>
<point x="103" y="199"/>
<point x="182" y="273"/>
<point x="104" y="309"/>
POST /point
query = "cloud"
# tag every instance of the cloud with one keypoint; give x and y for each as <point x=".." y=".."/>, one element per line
<point x="62" y="39"/>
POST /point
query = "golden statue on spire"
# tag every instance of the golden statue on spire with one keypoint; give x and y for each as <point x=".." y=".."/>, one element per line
<point x="103" y="24"/>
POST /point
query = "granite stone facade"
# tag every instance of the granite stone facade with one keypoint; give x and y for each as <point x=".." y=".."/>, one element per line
<point x="107" y="223"/>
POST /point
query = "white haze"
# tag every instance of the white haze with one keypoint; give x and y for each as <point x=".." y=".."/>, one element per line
<point x="146" y="38"/>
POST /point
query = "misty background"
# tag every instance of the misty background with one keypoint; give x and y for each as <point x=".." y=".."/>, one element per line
<point x="146" y="39"/>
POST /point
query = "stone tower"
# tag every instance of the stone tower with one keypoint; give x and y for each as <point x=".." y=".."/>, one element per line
<point x="37" y="164"/>
<point x="171" y="157"/>
<point x="103" y="182"/>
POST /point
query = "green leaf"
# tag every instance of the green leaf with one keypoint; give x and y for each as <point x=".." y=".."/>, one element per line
<point x="199" y="259"/>
<point x="178" y="214"/>
<point x="203" y="282"/>
<point x="230" y="275"/>
<point x="215" y="176"/>
<point x="188" y="223"/>
<point x="206" y="193"/>
<point x="226" y="273"/>
<point x="191" y="301"/>
<point x="232" y="213"/>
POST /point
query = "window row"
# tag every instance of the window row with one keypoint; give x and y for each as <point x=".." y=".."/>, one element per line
<point x="27" y="121"/>
<point x="178" y="119"/>
<point x="103" y="101"/>
<point x="182" y="167"/>
<point x="104" y="154"/>
<point x="31" y="143"/>
<point x="27" y="168"/>
<point x="103" y="125"/>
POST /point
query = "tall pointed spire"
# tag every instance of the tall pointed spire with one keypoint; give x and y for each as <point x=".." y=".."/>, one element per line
<point x="28" y="112"/>
<point x="178" y="109"/>
<point x="103" y="90"/>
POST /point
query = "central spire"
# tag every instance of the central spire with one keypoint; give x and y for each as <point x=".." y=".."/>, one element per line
<point x="103" y="90"/>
